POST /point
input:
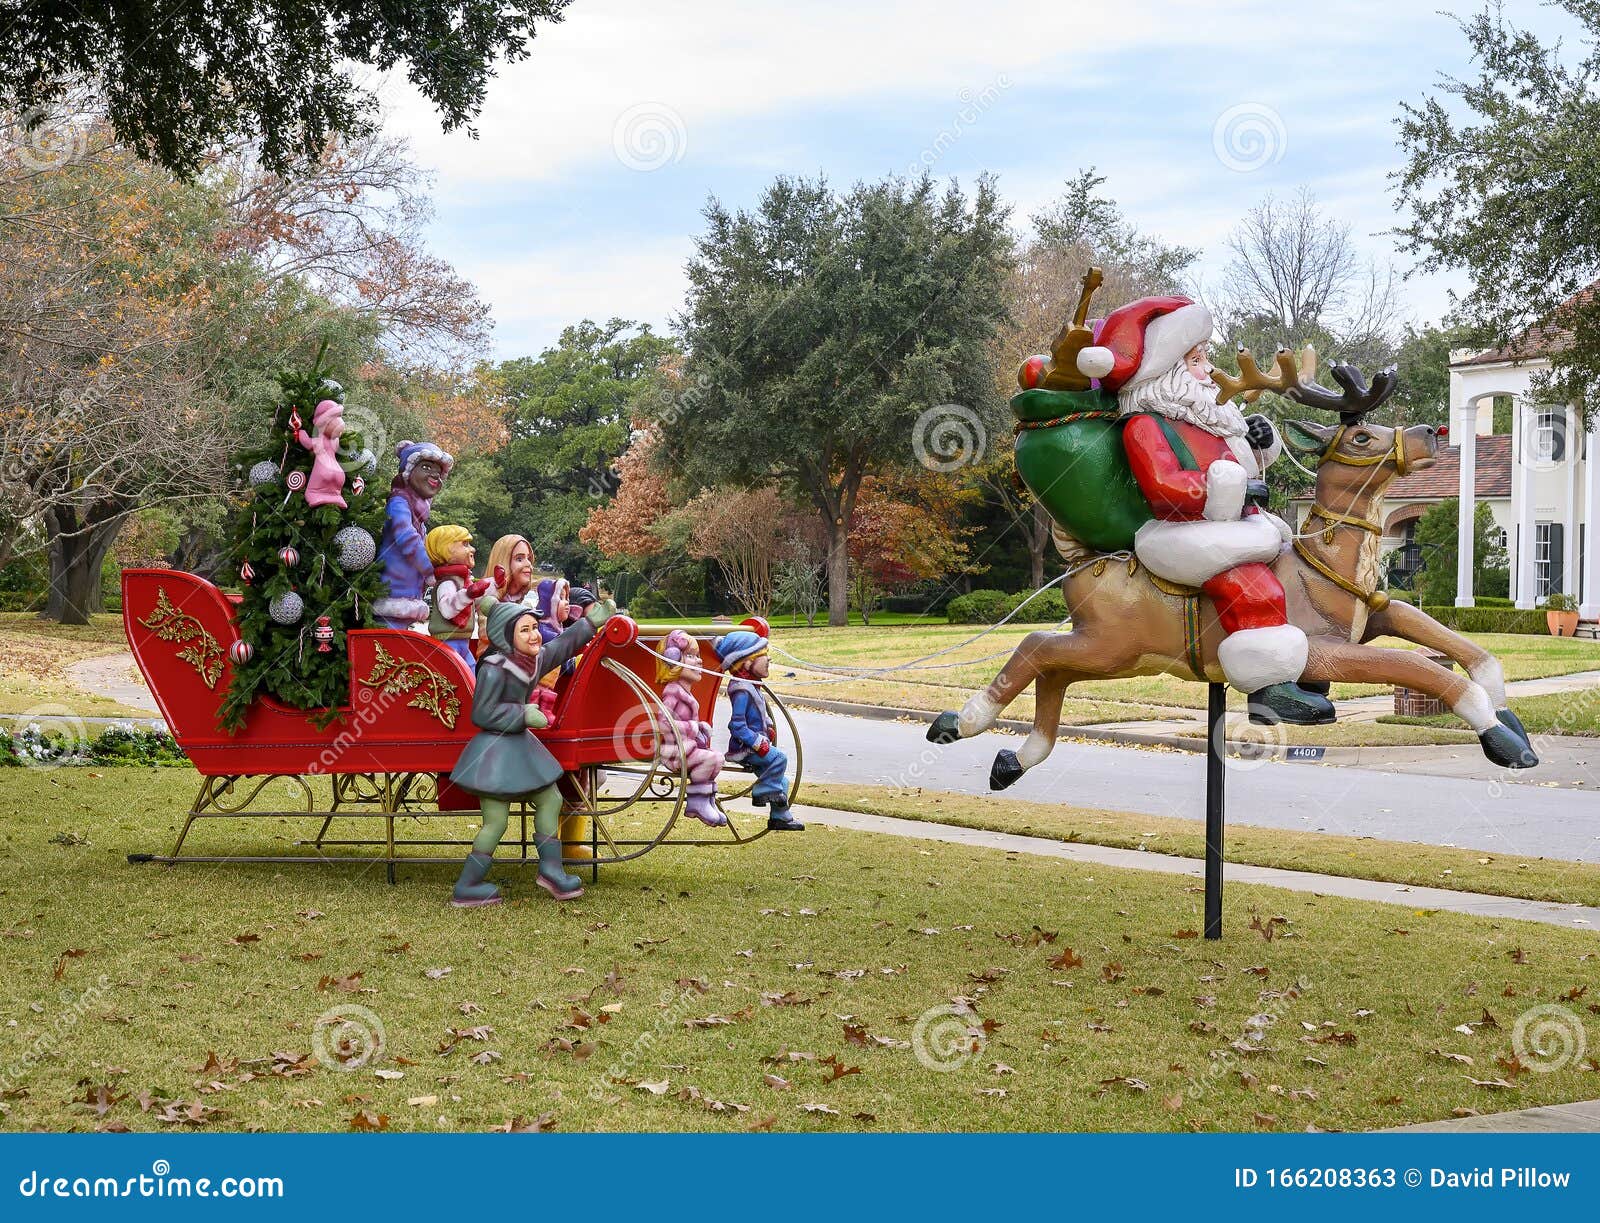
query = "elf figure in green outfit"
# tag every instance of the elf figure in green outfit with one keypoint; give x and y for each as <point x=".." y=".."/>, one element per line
<point x="504" y="762"/>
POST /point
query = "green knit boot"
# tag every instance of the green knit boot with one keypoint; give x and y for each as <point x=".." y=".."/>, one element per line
<point x="471" y="891"/>
<point x="553" y="877"/>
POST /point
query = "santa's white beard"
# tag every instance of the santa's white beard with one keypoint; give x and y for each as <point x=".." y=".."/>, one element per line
<point x="1179" y="395"/>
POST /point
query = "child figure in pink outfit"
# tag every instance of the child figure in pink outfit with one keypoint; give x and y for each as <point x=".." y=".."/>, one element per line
<point x="680" y="670"/>
<point x="327" y="477"/>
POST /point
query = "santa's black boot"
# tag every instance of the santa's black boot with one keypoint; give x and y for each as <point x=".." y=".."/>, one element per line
<point x="1289" y="702"/>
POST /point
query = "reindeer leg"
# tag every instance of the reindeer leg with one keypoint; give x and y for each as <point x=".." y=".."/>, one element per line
<point x="1414" y="624"/>
<point x="984" y="707"/>
<point x="1334" y="659"/>
<point x="1009" y="766"/>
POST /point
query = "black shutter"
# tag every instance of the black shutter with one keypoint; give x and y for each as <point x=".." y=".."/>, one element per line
<point x="1557" y="566"/>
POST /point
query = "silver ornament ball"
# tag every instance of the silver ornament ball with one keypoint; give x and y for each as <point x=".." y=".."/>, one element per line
<point x="356" y="548"/>
<point x="264" y="472"/>
<point x="287" y="608"/>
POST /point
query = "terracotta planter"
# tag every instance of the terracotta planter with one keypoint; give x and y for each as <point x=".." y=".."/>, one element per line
<point x="1562" y="623"/>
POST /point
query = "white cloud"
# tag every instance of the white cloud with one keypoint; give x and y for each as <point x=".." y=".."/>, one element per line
<point x="535" y="296"/>
<point x="704" y="61"/>
<point x="744" y="89"/>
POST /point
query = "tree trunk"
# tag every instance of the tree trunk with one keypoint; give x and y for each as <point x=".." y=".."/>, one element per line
<point x="77" y="552"/>
<point x="838" y="573"/>
<point x="1038" y="541"/>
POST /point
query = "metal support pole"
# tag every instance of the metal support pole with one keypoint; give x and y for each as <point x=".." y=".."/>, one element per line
<point x="1216" y="779"/>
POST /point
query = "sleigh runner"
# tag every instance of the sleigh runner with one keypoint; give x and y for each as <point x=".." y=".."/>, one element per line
<point x="386" y="753"/>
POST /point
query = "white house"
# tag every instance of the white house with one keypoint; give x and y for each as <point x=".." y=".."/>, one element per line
<point x="1555" y="484"/>
<point x="1415" y="493"/>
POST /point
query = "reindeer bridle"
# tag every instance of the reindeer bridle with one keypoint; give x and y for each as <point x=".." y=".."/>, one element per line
<point x="1352" y="402"/>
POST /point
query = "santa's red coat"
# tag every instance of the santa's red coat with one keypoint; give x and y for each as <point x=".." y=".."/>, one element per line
<point x="1174" y="493"/>
<point x="1246" y="596"/>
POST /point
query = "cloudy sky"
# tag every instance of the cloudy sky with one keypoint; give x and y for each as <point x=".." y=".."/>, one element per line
<point x="595" y="155"/>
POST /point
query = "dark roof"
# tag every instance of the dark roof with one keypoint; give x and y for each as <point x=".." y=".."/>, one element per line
<point x="1539" y="340"/>
<point x="1492" y="474"/>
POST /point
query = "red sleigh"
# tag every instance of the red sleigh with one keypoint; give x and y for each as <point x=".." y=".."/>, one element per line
<point x="386" y="754"/>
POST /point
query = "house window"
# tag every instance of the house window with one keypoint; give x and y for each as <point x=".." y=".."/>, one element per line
<point x="1550" y="436"/>
<point x="1548" y="575"/>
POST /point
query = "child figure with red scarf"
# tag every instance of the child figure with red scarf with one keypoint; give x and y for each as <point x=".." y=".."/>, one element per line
<point x="455" y="592"/>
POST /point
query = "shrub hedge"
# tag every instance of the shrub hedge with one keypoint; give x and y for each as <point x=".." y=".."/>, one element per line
<point x="988" y="606"/>
<point x="1490" y="620"/>
<point x="978" y="607"/>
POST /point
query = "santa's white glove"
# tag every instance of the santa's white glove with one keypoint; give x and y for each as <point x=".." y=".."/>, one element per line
<point x="1225" y="488"/>
<point x="1280" y="524"/>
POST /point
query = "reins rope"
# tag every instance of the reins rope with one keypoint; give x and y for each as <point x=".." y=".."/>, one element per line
<point x="846" y="674"/>
<point x="842" y="675"/>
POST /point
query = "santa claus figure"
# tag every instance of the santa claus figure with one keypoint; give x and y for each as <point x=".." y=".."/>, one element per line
<point x="1199" y="464"/>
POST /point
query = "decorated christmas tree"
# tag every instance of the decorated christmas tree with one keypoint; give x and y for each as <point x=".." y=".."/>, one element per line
<point x="303" y="542"/>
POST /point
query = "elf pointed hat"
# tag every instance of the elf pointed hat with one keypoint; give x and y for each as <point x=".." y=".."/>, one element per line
<point x="1143" y="340"/>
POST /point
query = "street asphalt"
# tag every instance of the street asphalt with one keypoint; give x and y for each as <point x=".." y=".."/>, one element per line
<point x="1508" y="812"/>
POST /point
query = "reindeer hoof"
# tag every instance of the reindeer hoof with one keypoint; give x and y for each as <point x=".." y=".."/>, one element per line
<point x="1005" y="771"/>
<point x="1512" y="723"/>
<point x="944" y="728"/>
<point x="1504" y="748"/>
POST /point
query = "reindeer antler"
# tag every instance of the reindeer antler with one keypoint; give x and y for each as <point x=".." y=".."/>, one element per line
<point x="1352" y="401"/>
<point x="1251" y="381"/>
<point x="1355" y="398"/>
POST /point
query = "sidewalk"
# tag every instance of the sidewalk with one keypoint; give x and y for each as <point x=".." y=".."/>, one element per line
<point x="1472" y="904"/>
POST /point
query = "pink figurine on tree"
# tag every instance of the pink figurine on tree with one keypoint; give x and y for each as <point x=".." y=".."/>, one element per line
<point x="327" y="477"/>
<point x="680" y="667"/>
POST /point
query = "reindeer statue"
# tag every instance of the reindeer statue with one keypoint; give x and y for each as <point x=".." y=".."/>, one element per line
<point x="1128" y="620"/>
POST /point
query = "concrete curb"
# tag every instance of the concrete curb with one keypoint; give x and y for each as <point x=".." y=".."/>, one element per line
<point x="1275" y="751"/>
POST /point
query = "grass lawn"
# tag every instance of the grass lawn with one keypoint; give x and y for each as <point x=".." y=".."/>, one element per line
<point x="1466" y="870"/>
<point x="35" y="655"/>
<point x="1555" y="713"/>
<point x="778" y="986"/>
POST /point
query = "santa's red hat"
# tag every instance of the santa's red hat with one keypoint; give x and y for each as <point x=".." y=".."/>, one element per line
<point x="1143" y="340"/>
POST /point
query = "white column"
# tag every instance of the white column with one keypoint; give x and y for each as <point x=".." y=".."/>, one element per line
<point x="1569" y="515"/>
<point x="1464" y="432"/>
<point x="1523" y="542"/>
<point x="1589" y="597"/>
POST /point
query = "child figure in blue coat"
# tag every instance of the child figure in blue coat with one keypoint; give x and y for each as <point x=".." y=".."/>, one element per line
<point x="751" y="731"/>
